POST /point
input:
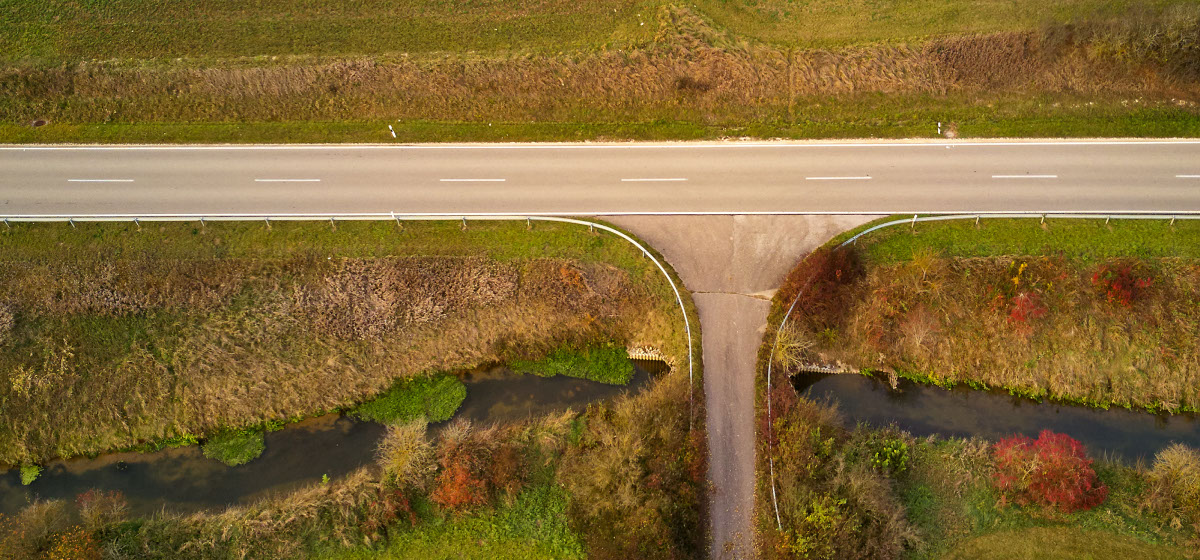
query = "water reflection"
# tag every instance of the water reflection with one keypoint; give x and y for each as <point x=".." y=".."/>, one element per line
<point x="182" y="479"/>
<point x="925" y="410"/>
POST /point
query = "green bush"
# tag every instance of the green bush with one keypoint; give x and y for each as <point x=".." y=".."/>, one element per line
<point x="891" y="457"/>
<point x="235" y="447"/>
<point x="605" y="364"/>
<point x="29" y="473"/>
<point x="436" y="398"/>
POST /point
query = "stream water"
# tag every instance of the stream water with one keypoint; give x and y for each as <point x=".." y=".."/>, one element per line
<point x="924" y="410"/>
<point x="182" y="479"/>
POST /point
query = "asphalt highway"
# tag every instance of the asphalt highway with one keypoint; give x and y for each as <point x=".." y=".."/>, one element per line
<point x="593" y="179"/>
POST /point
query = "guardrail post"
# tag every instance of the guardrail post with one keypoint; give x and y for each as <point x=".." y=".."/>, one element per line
<point x="332" y="224"/>
<point x="138" y="224"/>
<point x="528" y="224"/>
<point x="202" y="223"/>
<point x="268" y="221"/>
<point x="1043" y="218"/>
<point x="6" y="226"/>
<point x="1172" y="220"/>
<point x="977" y="220"/>
<point x="913" y="225"/>
<point x="464" y="223"/>
<point x="72" y="222"/>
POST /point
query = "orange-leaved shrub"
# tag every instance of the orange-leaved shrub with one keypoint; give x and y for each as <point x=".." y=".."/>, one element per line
<point x="1051" y="471"/>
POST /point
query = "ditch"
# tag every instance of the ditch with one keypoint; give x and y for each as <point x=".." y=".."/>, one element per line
<point x="306" y="452"/>
<point x="993" y="414"/>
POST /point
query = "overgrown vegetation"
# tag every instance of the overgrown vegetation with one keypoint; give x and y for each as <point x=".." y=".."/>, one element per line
<point x="121" y="337"/>
<point x="235" y="447"/>
<point x="286" y="71"/>
<point x="1048" y="311"/>
<point x="1085" y="311"/>
<point x="434" y="398"/>
<point x="622" y="479"/>
<point x="604" y="363"/>
<point x="954" y="498"/>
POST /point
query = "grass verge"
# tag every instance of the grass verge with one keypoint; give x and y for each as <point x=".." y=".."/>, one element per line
<point x="609" y="70"/>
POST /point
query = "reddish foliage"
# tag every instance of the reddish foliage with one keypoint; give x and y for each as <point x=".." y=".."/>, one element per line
<point x="384" y="512"/>
<point x="1121" y="283"/>
<point x="459" y="488"/>
<point x="1026" y="307"/>
<point x="1051" y="471"/>
<point x="505" y="472"/>
<point x="820" y="283"/>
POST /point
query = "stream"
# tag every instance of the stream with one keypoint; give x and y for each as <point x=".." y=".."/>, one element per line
<point x="182" y="479"/>
<point x="926" y="410"/>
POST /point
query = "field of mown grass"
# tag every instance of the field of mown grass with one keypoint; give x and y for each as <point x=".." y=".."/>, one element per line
<point x="1076" y="310"/>
<point x="111" y="336"/>
<point x="316" y="71"/>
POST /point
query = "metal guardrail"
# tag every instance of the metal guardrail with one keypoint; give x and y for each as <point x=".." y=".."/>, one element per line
<point x="917" y="218"/>
<point x="377" y="216"/>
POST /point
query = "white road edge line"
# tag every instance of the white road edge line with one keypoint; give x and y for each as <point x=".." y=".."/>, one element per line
<point x="287" y="180"/>
<point x="1187" y="176"/>
<point x="862" y="178"/>
<point x="471" y="180"/>
<point x="99" y="180"/>
<point x="621" y="146"/>
<point x="653" y="179"/>
<point x="1024" y="176"/>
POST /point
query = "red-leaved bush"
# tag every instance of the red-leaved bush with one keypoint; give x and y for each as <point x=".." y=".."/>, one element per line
<point x="1026" y="307"/>
<point x="1051" y="471"/>
<point x="1120" y="283"/>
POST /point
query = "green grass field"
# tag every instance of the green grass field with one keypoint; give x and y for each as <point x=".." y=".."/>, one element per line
<point x="150" y="29"/>
<point x="831" y="23"/>
<point x="1088" y="241"/>
<point x="553" y="70"/>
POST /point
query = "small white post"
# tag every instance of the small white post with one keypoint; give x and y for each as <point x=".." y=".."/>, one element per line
<point x="939" y="128"/>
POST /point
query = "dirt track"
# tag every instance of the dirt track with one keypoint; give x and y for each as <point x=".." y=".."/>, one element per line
<point x="732" y="265"/>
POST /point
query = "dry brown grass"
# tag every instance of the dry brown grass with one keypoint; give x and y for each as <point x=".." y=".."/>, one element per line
<point x="108" y="355"/>
<point x="690" y="71"/>
<point x="956" y="320"/>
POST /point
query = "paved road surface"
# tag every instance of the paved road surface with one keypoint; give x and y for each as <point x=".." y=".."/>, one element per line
<point x="734" y="178"/>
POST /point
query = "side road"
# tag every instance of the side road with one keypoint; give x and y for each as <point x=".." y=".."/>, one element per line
<point x="732" y="265"/>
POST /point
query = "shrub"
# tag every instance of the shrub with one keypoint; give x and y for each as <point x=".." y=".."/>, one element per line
<point x="833" y="501"/>
<point x="605" y="364"/>
<point x="891" y="457"/>
<point x="235" y="447"/>
<point x="817" y="285"/>
<point x="98" y="509"/>
<point x="406" y="456"/>
<point x="34" y="528"/>
<point x="462" y="456"/>
<point x="1174" y="490"/>
<point x="1026" y="307"/>
<point x="1051" y="471"/>
<point x="29" y="473"/>
<point x="632" y="476"/>
<point x="1121" y="283"/>
<point x="435" y="398"/>
<point x="74" y="544"/>
<point x="506" y="471"/>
